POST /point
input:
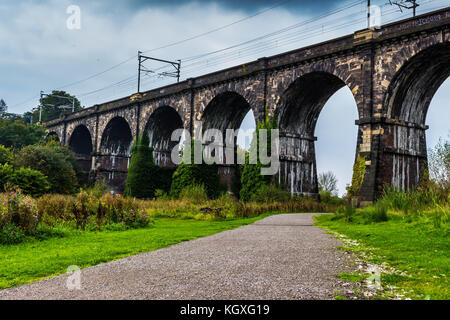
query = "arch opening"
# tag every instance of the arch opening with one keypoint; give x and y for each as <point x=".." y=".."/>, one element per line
<point x="298" y="113"/>
<point x="80" y="141"/>
<point x="117" y="138"/>
<point x="114" y="157"/>
<point x="407" y="104"/>
<point x="415" y="84"/>
<point x="162" y="123"/>
<point x="226" y="111"/>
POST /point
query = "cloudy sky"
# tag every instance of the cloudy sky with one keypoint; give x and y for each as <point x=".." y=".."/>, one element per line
<point x="98" y="62"/>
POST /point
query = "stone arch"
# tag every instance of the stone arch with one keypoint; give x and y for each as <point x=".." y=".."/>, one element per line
<point x="80" y="141"/>
<point x="160" y="126"/>
<point x="116" y="137"/>
<point x="297" y="114"/>
<point x="247" y="88"/>
<point x="415" y="83"/>
<point x="225" y="111"/>
<point x="344" y="71"/>
<point x="114" y="156"/>
<point x="404" y="154"/>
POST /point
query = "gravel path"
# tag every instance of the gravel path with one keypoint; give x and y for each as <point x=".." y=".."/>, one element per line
<point x="280" y="257"/>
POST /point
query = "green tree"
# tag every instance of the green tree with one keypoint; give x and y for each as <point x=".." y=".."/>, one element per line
<point x="188" y="175"/>
<point x="6" y="156"/>
<point x="3" y="106"/>
<point x="52" y="106"/>
<point x="251" y="178"/>
<point x="439" y="163"/>
<point x="54" y="161"/>
<point x="6" y="171"/>
<point x="142" y="179"/>
<point x="31" y="182"/>
<point x="16" y="134"/>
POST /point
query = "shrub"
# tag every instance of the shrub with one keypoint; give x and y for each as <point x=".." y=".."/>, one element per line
<point x="17" y="212"/>
<point x="142" y="173"/>
<point x="98" y="189"/>
<point x="345" y="213"/>
<point x="54" y="161"/>
<point x="251" y="178"/>
<point x="164" y="178"/>
<point x="6" y="156"/>
<point x="196" y="174"/>
<point x="32" y="182"/>
<point x="55" y="208"/>
<point x="194" y="193"/>
<point x="14" y="134"/>
<point x="269" y="194"/>
<point x="379" y="213"/>
<point x="11" y="234"/>
<point x="6" y="171"/>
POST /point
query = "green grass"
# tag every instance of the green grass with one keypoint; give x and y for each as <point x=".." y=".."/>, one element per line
<point x="34" y="260"/>
<point x="416" y="248"/>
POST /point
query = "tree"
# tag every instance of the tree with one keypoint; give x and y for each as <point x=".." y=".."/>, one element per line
<point x="16" y="134"/>
<point x="3" y="106"/>
<point x="31" y="182"/>
<point x="439" y="163"/>
<point x="52" y="106"/>
<point x="6" y="156"/>
<point x="328" y="182"/>
<point x="54" y="161"/>
<point x="251" y="178"/>
<point x="193" y="174"/>
<point x="142" y="172"/>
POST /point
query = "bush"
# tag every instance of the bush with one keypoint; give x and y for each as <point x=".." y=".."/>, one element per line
<point x="194" y="193"/>
<point x="15" y="134"/>
<point x="345" y="213"/>
<point x="6" y="156"/>
<point x="18" y="214"/>
<point x="98" y="189"/>
<point x="380" y="213"/>
<point x="142" y="172"/>
<point x="196" y="174"/>
<point x="11" y="234"/>
<point x="269" y="194"/>
<point x="54" y="209"/>
<point x="54" y="161"/>
<point x="251" y="178"/>
<point x="32" y="182"/>
<point x="6" y="171"/>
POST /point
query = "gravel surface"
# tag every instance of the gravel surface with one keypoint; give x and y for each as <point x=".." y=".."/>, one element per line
<point x="280" y="257"/>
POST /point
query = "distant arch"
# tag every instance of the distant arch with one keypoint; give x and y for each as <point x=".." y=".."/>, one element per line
<point x="117" y="137"/>
<point x="225" y="111"/>
<point x="160" y="126"/>
<point x="80" y="141"/>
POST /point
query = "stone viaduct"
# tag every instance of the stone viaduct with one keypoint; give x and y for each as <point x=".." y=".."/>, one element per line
<point x="392" y="71"/>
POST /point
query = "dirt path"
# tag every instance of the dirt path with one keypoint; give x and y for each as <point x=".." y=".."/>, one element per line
<point x="280" y="257"/>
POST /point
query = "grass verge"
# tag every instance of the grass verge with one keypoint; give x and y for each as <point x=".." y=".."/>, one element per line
<point x="34" y="260"/>
<point x="416" y="249"/>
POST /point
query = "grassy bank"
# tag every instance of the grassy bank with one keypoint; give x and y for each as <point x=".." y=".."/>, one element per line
<point x="416" y="245"/>
<point x="33" y="259"/>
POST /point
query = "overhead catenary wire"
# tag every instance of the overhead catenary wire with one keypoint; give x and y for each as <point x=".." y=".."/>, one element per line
<point x="283" y="40"/>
